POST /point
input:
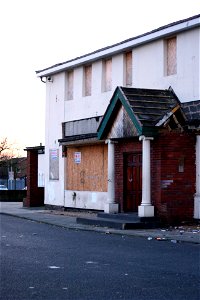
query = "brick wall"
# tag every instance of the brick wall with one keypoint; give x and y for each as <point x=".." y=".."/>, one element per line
<point x="192" y="109"/>
<point x="173" y="176"/>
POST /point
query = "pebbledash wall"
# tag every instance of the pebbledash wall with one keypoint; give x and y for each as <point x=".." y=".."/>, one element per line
<point x="148" y="72"/>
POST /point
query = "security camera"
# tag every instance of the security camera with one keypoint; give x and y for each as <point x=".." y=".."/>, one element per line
<point x="49" y="79"/>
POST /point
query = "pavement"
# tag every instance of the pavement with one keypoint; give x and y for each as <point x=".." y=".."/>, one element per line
<point x="67" y="219"/>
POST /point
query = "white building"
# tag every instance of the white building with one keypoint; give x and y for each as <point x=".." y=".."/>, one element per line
<point x="81" y="89"/>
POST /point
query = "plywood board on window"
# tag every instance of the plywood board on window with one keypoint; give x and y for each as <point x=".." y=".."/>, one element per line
<point x="70" y="85"/>
<point x="171" y="56"/>
<point x="128" y="58"/>
<point x="90" y="174"/>
<point x="108" y="74"/>
<point x="88" y="80"/>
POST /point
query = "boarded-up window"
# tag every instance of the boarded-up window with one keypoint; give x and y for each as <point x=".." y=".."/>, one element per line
<point x="87" y="80"/>
<point x="171" y="56"/>
<point x="70" y="85"/>
<point x="108" y="75"/>
<point x="87" y="168"/>
<point x="128" y="67"/>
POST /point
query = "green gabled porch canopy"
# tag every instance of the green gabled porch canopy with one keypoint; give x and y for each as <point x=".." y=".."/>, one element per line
<point x="148" y="109"/>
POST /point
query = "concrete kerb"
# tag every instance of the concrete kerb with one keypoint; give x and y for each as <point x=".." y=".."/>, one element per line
<point x="175" y="235"/>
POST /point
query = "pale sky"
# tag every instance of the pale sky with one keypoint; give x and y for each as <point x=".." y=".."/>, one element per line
<point x="36" y="34"/>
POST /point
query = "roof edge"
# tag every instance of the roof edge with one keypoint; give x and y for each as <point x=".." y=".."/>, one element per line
<point x="128" y="43"/>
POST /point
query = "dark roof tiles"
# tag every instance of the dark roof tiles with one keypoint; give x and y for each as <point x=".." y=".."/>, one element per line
<point x="150" y="105"/>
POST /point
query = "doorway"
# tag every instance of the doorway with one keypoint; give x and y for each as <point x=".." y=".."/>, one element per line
<point x="132" y="181"/>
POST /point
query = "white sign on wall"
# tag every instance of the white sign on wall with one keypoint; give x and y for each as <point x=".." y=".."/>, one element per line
<point x="54" y="164"/>
<point x="77" y="157"/>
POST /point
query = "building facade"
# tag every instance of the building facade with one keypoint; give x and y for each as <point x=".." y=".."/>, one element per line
<point x="95" y="138"/>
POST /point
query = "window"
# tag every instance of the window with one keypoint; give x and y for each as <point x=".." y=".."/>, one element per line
<point x="107" y="73"/>
<point x="171" y="62"/>
<point x="128" y="68"/>
<point x="87" y="80"/>
<point x="70" y="85"/>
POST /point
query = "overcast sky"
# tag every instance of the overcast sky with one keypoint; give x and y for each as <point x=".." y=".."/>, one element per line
<point x="36" y="34"/>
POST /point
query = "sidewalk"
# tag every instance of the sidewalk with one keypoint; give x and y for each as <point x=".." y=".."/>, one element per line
<point x="67" y="220"/>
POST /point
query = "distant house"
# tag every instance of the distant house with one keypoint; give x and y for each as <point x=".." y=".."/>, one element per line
<point x="13" y="173"/>
<point x="123" y="126"/>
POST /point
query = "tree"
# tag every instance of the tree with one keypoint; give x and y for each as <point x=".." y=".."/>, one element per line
<point x="11" y="164"/>
<point x="6" y="150"/>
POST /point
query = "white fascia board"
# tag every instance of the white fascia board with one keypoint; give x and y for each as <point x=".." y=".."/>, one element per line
<point x="96" y="55"/>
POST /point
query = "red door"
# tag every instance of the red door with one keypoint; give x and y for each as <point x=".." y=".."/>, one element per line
<point x="132" y="181"/>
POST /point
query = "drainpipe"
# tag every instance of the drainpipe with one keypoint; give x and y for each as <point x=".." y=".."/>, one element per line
<point x="197" y="195"/>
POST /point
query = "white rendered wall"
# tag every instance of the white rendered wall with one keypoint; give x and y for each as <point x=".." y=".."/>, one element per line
<point x="41" y="170"/>
<point x="148" y="72"/>
<point x="85" y="199"/>
<point x="54" y="189"/>
<point x="149" y="66"/>
<point x="84" y="107"/>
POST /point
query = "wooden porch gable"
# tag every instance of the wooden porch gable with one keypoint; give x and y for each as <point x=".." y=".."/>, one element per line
<point x="135" y="112"/>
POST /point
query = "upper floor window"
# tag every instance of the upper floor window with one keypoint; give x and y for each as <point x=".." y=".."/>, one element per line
<point x="128" y="68"/>
<point x="70" y="85"/>
<point x="107" y="75"/>
<point x="171" y="59"/>
<point x="88" y="80"/>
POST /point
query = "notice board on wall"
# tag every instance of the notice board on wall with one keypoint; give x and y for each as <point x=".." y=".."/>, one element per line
<point x="54" y="164"/>
<point x="77" y="157"/>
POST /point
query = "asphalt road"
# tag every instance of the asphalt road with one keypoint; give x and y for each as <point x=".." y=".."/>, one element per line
<point x="40" y="261"/>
